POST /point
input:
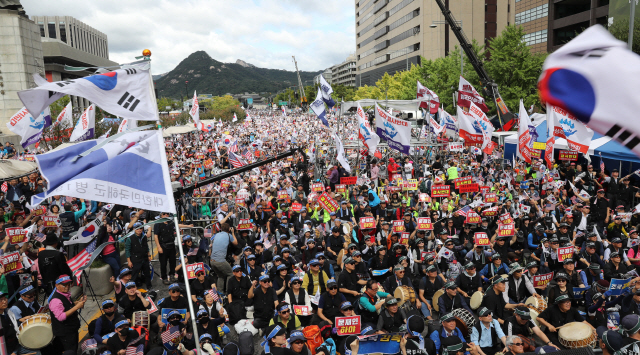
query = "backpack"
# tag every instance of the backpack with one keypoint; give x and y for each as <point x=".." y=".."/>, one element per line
<point x="245" y="343"/>
<point x="313" y="334"/>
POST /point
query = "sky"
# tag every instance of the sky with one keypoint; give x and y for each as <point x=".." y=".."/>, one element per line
<point x="265" y="33"/>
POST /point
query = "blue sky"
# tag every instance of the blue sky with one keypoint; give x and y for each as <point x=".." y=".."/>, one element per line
<point x="265" y="33"/>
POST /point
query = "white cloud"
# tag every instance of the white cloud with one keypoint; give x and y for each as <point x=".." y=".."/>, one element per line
<point x="265" y="33"/>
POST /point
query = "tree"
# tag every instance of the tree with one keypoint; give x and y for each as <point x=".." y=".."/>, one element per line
<point x="342" y="92"/>
<point x="165" y="102"/>
<point x="620" y="30"/>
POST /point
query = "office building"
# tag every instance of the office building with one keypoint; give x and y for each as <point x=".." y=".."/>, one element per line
<point x="327" y="74"/>
<point x="345" y="72"/>
<point x="391" y="35"/>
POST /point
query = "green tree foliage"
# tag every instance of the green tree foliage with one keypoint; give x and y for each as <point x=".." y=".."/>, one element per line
<point x="165" y="102"/>
<point x="513" y="67"/>
<point x="620" y="30"/>
<point x="223" y="107"/>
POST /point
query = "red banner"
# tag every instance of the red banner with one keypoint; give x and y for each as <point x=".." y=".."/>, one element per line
<point x="240" y="202"/>
<point x="244" y="224"/>
<point x="490" y="212"/>
<point x="424" y="198"/>
<point x="506" y="230"/>
<point x="481" y="238"/>
<point x="473" y="217"/>
<point x="398" y="226"/>
<point x="490" y="197"/>
<point x="536" y="153"/>
<point x="468" y="188"/>
<point x="283" y="195"/>
<point x="505" y="218"/>
<point x="565" y="253"/>
<point x="317" y="187"/>
<point x="341" y="188"/>
<point x="302" y="310"/>
<point x="404" y="238"/>
<point x="367" y="223"/>
<point x="541" y="280"/>
<point x="328" y="203"/>
<point x="568" y="155"/>
<point x="191" y="270"/>
<point x="349" y="180"/>
<point x="208" y="164"/>
<point x="11" y="262"/>
<point x="440" y="190"/>
<point x="50" y="221"/>
<point x="424" y="223"/>
<point x="16" y="235"/>
<point x="348" y="325"/>
<point x="462" y="181"/>
<point x="296" y="207"/>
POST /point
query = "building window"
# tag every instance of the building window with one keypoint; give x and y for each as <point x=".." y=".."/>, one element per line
<point x="52" y="30"/>
<point x="41" y="25"/>
<point x="535" y="37"/>
<point x="63" y="32"/>
<point x="532" y="14"/>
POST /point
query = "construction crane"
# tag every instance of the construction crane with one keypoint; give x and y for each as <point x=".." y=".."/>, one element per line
<point x="489" y="87"/>
<point x="303" y="97"/>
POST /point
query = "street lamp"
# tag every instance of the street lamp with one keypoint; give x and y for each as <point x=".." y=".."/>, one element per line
<point x="186" y="91"/>
<point x="434" y="24"/>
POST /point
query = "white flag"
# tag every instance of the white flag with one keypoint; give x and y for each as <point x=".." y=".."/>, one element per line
<point x="369" y="138"/>
<point x="483" y="122"/>
<point x="124" y="125"/>
<point x="106" y="135"/>
<point x="343" y="161"/>
<point x="65" y="119"/>
<point x="27" y="127"/>
<point x="567" y="126"/>
<point x="123" y="92"/>
<point x="85" y="128"/>
<point x="195" y="110"/>
<point x="235" y="118"/>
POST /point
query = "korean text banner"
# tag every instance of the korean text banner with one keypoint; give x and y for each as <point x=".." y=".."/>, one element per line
<point x="395" y="131"/>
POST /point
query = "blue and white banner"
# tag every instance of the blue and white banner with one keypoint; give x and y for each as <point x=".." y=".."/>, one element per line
<point x="379" y="272"/>
<point x="27" y="127"/>
<point x="326" y="91"/>
<point x="318" y="108"/>
<point x="450" y="124"/>
<point x="578" y="292"/>
<point x="617" y="286"/>
<point x="123" y="92"/>
<point x="98" y="175"/>
<point x="86" y="127"/>
<point x="395" y="131"/>
<point x="380" y="343"/>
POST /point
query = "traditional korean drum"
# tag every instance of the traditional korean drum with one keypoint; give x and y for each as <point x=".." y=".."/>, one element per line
<point x="576" y="335"/>
<point x="36" y="331"/>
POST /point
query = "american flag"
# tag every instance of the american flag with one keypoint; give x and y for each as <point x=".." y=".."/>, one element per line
<point x="246" y="153"/>
<point x="171" y="334"/>
<point x="81" y="259"/>
<point x="132" y="350"/>
<point x="236" y="160"/>
<point x="601" y="167"/>
<point x="40" y="237"/>
<point x="89" y="344"/>
<point x="5" y="187"/>
<point x="234" y="147"/>
<point x="463" y="211"/>
<point x="214" y="295"/>
<point x="192" y="252"/>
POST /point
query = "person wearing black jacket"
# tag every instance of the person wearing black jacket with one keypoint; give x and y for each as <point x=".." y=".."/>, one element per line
<point x="51" y="263"/>
<point x="427" y="288"/>
<point x="209" y="325"/>
<point x="133" y="301"/>
<point x="615" y="269"/>
<point x="469" y="282"/>
<point x="123" y="337"/>
<point x="262" y="256"/>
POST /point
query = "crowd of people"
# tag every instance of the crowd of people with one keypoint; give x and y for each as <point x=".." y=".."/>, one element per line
<point x="515" y="258"/>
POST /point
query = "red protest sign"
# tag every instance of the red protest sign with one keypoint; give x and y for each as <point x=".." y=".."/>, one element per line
<point x="490" y="197"/>
<point x="208" y="164"/>
<point x="11" y="262"/>
<point x="484" y="189"/>
<point x="240" y="201"/>
<point x="283" y="195"/>
<point x="398" y="226"/>
<point x="505" y="218"/>
<point x="348" y="325"/>
<point x="541" y="280"/>
<point x="481" y="238"/>
<point x="565" y="253"/>
<point x="16" y="235"/>
<point x="468" y="188"/>
<point x="404" y="238"/>
<point x="568" y="155"/>
<point x="535" y="153"/>
<point x="199" y="155"/>
<point x="462" y="181"/>
<point x="317" y="187"/>
<point x="341" y="188"/>
<point x="367" y="223"/>
<point x="424" y="198"/>
<point x="490" y="212"/>
<point x="349" y="180"/>
<point x="506" y="230"/>
<point x="296" y="207"/>
<point x="244" y="224"/>
<point x="191" y="270"/>
<point x="153" y="306"/>
<point x="38" y="211"/>
<point x="328" y="203"/>
<point x="50" y="221"/>
<point x="424" y="223"/>
<point x="440" y="190"/>
<point x="473" y="217"/>
<point x="301" y="310"/>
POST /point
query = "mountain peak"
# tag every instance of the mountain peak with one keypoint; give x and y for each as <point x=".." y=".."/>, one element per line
<point x="244" y="64"/>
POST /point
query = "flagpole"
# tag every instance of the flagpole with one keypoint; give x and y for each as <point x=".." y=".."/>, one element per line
<point x="186" y="283"/>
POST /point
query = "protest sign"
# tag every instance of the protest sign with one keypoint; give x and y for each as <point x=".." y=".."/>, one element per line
<point x="301" y="310"/>
<point x="379" y="344"/>
<point x="506" y="230"/>
<point x="481" y="239"/>
<point x="468" y="188"/>
<point x="348" y="325"/>
<point x="462" y="181"/>
<point x="568" y="155"/>
<point x="296" y="207"/>
<point x="341" y="188"/>
<point x="456" y="147"/>
<point x="410" y="185"/>
<point x="367" y="223"/>
<point x="398" y="226"/>
<point x="424" y="223"/>
<point x="578" y="292"/>
<point x="166" y="311"/>
<point x="328" y="203"/>
<point x="208" y="164"/>
<point x="440" y="190"/>
<point x="424" y="198"/>
<point x="51" y="221"/>
<point x="11" y="262"/>
<point x="541" y="280"/>
<point x="191" y="270"/>
<point x="618" y="285"/>
<point x="244" y="224"/>
<point x="473" y="217"/>
<point x="317" y="187"/>
<point x="565" y="253"/>
<point x="490" y="197"/>
<point x="16" y="235"/>
<point x="349" y="180"/>
<point x="404" y="238"/>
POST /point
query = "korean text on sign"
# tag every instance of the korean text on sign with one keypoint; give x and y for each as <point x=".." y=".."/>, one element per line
<point x="424" y="223"/>
<point x="244" y="224"/>
<point x="541" y="280"/>
<point x="367" y="223"/>
<point x="11" y="262"/>
<point x="440" y="190"/>
<point x="398" y="226"/>
<point x="506" y="230"/>
<point x="348" y="325"/>
<point x="565" y="253"/>
<point x="191" y="270"/>
<point x="481" y="238"/>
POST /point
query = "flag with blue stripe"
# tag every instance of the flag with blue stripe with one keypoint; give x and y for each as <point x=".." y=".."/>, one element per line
<point x="128" y="169"/>
<point x="326" y="90"/>
<point x="318" y="108"/>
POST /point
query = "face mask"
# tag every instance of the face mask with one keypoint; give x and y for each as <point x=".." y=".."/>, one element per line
<point x="204" y="320"/>
<point x="109" y="314"/>
<point x="175" y="322"/>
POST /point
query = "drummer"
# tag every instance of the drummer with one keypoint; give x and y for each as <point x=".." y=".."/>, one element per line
<point x="493" y="269"/>
<point x="469" y="282"/>
<point x="449" y="329"/>
<point x="27" y="305"/>
<point x="487" y="332"/>
<point x="428" y="287"/>
<point x="495" y="301"/>
<point x="521" y="324"/>
<point x="561" y="313"/>
<point x="518" y="288"/>
<point x="451" y="300"/>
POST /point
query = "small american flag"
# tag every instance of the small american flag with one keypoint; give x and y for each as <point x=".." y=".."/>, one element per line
<point x="171" y="334"/>
<point x="246" y="154"/>
<point x="5" y="187"/>
<point x="40" y="237"/>
<point x="192" y="252"/>
<point x="81" y="259"/>
<point x="601" y="165"/>
<point x="214" y="295"/>
<point x="132" y="350"/>
<point x="234" y="147"/>
<point x="236" y="161"/>
<point x="89" y="344"/>
<point x="463" y="211"/>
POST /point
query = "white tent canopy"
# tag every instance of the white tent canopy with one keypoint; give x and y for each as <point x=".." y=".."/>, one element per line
<point x="402" y="105"/>
<point x="178" y="130"/>
<point x="10" y="168"/>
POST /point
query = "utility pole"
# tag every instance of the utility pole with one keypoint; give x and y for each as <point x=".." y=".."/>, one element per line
<point x="303" y="97"/>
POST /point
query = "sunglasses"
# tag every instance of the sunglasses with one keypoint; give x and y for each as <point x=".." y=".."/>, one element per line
<point x="561" y="281"/>
<point x="298" y="342"/>
<point x="333" y="288"/>
<point x="296" y="283"/>
<point x="265" y="281"/>
<point x="517" y="344"/>
<point x="348" y="309"/>
<point x="284" y="312"/>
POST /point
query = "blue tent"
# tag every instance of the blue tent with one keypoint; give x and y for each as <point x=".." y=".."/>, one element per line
<point x="614" y="154"/>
